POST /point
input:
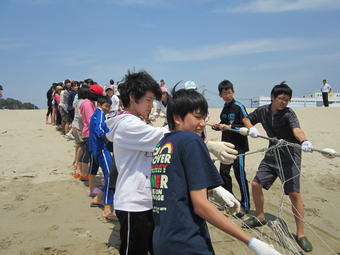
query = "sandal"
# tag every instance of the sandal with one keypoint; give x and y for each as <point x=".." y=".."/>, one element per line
<point x="304" y="243"/>
<point x="111" y="217"/>
<point x="95" y="192"/>
<point x="83" y="178"/>
<point x="76" y="175"/>
<point x="253" y="222"/>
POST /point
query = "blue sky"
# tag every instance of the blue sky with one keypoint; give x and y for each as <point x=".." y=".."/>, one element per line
<point x="253" y="43"/>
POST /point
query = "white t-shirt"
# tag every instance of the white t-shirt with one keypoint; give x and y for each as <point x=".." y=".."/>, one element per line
<point x="78" y="121"/>
<point x="160" y="106"/>
<point x="115" y="103"/>
<point x="326" y="88"/>
<point x="133" y="144"/>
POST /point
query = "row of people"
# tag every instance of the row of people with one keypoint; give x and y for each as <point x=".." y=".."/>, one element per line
<point x="146" y="202"/>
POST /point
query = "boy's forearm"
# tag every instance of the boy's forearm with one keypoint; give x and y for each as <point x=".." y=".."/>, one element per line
<point x="247" y="123"/>
<point x="299" y="135"/>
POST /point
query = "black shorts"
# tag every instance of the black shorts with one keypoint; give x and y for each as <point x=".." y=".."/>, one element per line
<point x="136" y="230"/>
<point x="269" y="169"/>
<point x="85" y="156"/>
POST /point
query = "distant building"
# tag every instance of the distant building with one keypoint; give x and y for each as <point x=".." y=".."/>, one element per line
<point x="310" y="100"/>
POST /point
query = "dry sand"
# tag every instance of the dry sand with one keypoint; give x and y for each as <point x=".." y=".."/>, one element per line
<point x="43" y="210"/>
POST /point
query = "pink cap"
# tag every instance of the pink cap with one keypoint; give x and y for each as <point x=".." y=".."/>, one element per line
<point x="164" y="90"/>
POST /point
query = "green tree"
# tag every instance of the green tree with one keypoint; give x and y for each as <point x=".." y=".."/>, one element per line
<point x="12" y="104"/>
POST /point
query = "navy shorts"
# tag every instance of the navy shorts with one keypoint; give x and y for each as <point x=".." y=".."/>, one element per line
<point x="289" y="159"/>
<point x="85" y="156"/>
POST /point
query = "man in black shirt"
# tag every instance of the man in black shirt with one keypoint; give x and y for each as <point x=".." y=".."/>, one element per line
<point x="281" y="122"/>
<point x="231" y="116"/>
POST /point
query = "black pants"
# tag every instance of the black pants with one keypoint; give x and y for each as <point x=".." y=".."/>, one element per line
<point x="113" y="174"/>
<point x="136" y="230"/>
<point x="325" y="98"/>
<point x="241" y="178"/>
<point x="49" y="110"/>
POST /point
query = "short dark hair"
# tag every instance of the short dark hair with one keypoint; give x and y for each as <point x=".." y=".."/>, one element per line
<point x="112" y="82"/>
<point x="103" y="99"/>
<point x="137" y="84"/>
<point x="83" y="92"/>
<point x="226" y="84"/>
<point x="89" y="81"/>
<point x="185" y="101"/>
<point x="67" y="81"/>
<point x="280" y="89"/>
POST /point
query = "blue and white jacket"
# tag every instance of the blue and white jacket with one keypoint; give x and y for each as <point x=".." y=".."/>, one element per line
<point x="98" y="129"/>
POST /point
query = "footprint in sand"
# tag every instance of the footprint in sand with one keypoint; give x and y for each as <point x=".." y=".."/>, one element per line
<point x="9" y="241"/>
<point x="20" y="197"/>
<point x="81" y="232"/>
<point x="53" y="228"/>
<point x="319" y="199"/>
<point x="41" y="209"/>
<point x="51" y="251"/>
<point x="312" y="212"/>
<point x="8" y="207"/>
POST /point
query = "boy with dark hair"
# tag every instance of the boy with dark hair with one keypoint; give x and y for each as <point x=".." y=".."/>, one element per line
<point x="281" y="122"/>
<point x="100" y="155"/>
<point x="231" y="116"/>
<point x="182" y="172"/>
<point x="133" y="144"/>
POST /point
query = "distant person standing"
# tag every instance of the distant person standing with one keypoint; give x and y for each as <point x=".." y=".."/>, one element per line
<point x="1" y="91"/>
<point x="161" y="83"/>
<point x="325" y="89"/>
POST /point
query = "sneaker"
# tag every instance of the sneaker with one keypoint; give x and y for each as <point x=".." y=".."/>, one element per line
<point x="70" y="136"/>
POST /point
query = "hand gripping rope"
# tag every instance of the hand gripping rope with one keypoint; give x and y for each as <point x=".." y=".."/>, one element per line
<point x="327" y="152"/>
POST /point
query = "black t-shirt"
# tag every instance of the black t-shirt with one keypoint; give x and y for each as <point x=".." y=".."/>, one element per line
<point x="279" y="125"/>
<point x="181" y="163"/>
<point x="233" y="114"/>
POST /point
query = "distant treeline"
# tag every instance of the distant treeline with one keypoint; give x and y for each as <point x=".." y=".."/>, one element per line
<point x="13" y="104"/>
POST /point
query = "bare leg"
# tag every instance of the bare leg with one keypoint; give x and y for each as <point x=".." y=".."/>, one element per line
<point x="299" y="212"/>
<point x="83" y="167"/>
<point x="79" y="152"/>
<point x="258" y="200"/>
<point x="92" y="182"/>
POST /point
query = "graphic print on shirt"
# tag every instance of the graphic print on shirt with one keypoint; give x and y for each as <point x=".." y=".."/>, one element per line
<point x="159" y="178"/>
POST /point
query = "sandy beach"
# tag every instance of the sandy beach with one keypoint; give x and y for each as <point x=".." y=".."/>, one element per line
<point x="44" y="210"/>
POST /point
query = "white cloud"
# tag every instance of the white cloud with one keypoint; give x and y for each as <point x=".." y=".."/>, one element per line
<point x="240" y="48"/>
<point x="311" y="60"/>
<point x="271" y="6"/>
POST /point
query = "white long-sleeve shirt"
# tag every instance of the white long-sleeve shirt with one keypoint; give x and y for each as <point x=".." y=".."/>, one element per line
<point x="133" y="144"/>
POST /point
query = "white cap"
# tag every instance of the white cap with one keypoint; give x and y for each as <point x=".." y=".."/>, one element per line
<point x="190" y="85"/>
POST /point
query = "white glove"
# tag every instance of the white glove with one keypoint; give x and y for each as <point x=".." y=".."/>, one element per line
<point x="224" y="197"/>
<point x="307" y="146"/>
<point x="261" y="248"/>
<point x="253" y="132"/>
<point x="244" y="131"/>
<point x="223" y="151"/>
<point x="152" y="118"/>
